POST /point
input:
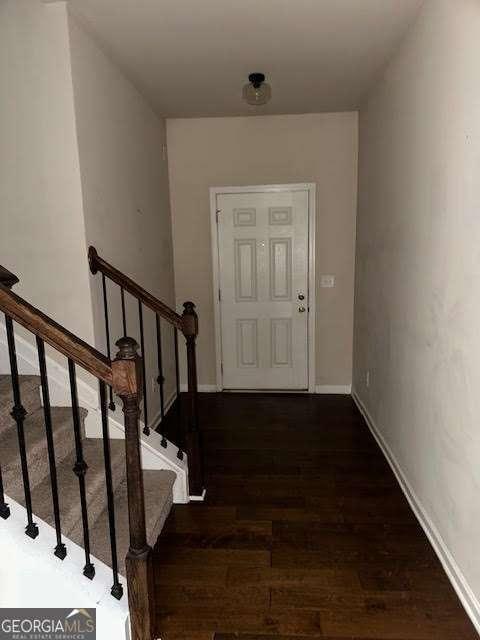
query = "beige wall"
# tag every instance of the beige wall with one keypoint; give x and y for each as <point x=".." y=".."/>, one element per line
<point x="42" y="234"/>
<point x="82" y="162"/>
<point x="125" y="195"/>
<point x="319" y="148"/>
<point x="418" y="272"/>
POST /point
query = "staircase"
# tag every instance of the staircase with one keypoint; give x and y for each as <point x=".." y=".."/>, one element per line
<point x="93" y="491"/>
<point x="157" y="484"/>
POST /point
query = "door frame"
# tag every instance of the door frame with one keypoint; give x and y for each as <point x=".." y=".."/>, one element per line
<point x="310" y="187"/>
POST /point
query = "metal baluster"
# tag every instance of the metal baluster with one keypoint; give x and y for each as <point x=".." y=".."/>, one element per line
<point x="111" y="405"/>
<point x="124" y="316"/>
<point x="146" y="428"/>
<point x="19" y="414"/>
<point x="4" y="508"/>
<point x="117" y="589"/>
<point x="160" y="379"/>
<point x="178" y="402"/>
<point x="139" y="560"/>
<point x="80" y="469"/>
<point x="60" y="549"/>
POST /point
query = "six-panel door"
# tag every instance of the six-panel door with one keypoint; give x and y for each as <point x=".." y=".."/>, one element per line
<point x="263" y="265"/>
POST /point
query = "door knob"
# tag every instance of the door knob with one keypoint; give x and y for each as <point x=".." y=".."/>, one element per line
<point x="301" y="296"/>
<point x="301" y="309"/>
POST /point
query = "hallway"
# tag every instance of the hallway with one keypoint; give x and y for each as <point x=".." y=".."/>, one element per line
<point x="305" y="533"/>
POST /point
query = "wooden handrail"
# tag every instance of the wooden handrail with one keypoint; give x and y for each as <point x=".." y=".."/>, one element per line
<point x="7" y="278"/>
<point x="99" y="264"/>
<point x="55" y="335"/>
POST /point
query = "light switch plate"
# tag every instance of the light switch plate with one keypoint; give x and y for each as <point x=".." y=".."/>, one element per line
<point x="327" y="282"/>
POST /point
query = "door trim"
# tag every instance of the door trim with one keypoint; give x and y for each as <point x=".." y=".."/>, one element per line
<point x="310" y="187"/>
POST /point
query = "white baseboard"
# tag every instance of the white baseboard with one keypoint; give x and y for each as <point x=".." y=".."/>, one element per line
<point x="341" y="389"/>
<point x="453" y="571"/>
<point x="199" y="498"/>
<point x="202" y="388"/>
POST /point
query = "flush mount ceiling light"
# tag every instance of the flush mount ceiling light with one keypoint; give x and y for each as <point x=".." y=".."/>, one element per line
<point x="257" y="91"/>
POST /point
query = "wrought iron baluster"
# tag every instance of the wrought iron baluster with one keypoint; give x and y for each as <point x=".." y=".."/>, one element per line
<point x="80" y="469"/>
<point x="124" y="315"/>
<point x="146" y="428"/>
<point x="160" y="379"/>
<point x="111" y="404"/>
<point x="117" y="589"/>
<point x="60" y="549"/>
<point x="19" y="414"/>
<point x="178" y="400"/>
<point x="4" y="508"/>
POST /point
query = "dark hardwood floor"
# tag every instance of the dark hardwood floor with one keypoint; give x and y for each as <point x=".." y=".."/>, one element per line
<point x="304" y="534"/>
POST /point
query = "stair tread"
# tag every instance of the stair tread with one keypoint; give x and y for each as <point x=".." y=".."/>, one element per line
<point x="34" y="427"/>
<point x="158" y="502"/>
<point x="26" y="382"/>
<point x="29" y="393"/>
<point x="69" y="498"/>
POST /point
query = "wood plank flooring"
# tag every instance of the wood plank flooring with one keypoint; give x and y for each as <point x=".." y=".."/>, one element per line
<point x="304" y="534"/>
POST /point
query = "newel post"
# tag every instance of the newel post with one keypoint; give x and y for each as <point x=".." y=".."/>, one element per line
<point x="127" y="383"/>
<point x="194" y="447"/>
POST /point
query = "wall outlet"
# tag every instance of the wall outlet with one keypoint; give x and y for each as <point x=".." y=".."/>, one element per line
<point x="154" y="384"/>
<point x="367" y="379"/>
<point x="327" y="282"/>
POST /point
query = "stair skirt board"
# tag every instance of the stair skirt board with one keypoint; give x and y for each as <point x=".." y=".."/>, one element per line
<point x="202" y="388"/>
<point x="154" y="456"/>
<point x="27" y="564"/>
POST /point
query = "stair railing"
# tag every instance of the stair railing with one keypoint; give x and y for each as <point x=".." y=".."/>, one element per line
<point x="124" y="376"/>
<point x="187" y="434"/>
<point x="7" y="278"/>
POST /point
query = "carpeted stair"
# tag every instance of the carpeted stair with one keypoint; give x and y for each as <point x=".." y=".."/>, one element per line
<point x="157" y="484"/>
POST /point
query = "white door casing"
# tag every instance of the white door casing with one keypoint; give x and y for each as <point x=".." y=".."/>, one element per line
<point x="263" y="244"/>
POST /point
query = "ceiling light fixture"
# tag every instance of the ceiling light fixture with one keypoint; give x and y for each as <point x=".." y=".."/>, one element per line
<point x="257" y="91"/>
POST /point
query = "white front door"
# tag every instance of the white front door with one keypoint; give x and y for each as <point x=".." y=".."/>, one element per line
<point x="263" y="277"/>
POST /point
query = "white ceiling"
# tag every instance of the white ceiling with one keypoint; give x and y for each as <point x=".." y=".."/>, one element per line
<point x="191" y="57"/>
